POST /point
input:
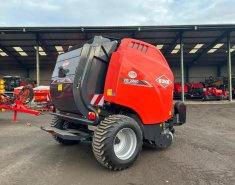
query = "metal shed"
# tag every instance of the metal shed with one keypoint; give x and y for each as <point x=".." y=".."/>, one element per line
<point x="186" y="46"/>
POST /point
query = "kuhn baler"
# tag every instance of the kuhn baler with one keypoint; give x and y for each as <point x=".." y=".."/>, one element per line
<point x="117" y="94"/>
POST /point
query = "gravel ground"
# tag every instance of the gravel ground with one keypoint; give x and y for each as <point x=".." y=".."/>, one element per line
<point x="203" y="153"/>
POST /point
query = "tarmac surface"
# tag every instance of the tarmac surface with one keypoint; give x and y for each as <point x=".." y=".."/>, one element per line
<point x="203" y="152"/>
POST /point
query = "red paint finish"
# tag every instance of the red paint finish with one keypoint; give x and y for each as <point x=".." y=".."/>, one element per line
<point x="196" y="85"/>
<point x="150" y="93"/>
<point x="213" y="91"/>
<point x="18" y="107"/>
<point x="178" y="88"/>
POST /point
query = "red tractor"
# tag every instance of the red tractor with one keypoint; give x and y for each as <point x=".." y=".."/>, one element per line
<point x="117" y="95"/>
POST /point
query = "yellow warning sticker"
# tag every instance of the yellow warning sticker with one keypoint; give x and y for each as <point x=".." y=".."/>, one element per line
<point x="109" y="92"/>
<point x="60" y="87"/>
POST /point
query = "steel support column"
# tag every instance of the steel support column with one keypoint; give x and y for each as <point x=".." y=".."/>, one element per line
<point x="37" y="63"/>
<point x="182" y="66"/>
<point x="229" y="67"/>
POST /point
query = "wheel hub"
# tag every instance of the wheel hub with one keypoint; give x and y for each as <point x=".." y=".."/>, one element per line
<point x="117" y="141"/>
<point x="125" y="143"/>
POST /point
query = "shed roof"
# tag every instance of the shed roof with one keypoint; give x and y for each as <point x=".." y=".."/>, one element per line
<point x="207" y="36"/>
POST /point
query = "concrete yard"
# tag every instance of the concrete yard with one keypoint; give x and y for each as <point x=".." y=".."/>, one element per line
<point x="203" y="153"/>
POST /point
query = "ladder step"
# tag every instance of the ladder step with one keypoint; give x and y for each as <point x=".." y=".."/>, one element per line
<point x="64" y="134"/>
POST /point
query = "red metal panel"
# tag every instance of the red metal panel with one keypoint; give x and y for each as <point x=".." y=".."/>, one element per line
<point x="139" y="77"/>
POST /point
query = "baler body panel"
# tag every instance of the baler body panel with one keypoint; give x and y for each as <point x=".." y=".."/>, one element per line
<point x="139" y="78"/>
<point x="80" y="73"/>
<point x="62" y="86"/>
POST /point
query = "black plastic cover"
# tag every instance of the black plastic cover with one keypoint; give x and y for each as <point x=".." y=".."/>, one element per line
<point x="80" y="73"/>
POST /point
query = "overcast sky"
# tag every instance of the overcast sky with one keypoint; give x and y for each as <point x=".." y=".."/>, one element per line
<point x="115" y="12"/>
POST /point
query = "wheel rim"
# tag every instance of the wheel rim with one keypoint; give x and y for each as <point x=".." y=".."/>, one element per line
<point x="125" y="143"/>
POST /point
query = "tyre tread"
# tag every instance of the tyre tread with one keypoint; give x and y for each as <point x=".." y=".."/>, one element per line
<point x="100" y="141"/>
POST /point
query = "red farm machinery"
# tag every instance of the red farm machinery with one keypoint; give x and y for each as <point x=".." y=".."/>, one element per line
<point x="201" y="91"/>
<point x="118" y="94"/>
<point x="17" y="103"/>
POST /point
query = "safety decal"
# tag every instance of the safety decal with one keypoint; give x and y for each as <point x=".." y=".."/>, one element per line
<point x="49" y="97"/>
<point x="163" y="81"/>
<point x="60" y="87"/>
<point x="110" y="92"/>
<point x="97" y="99"/>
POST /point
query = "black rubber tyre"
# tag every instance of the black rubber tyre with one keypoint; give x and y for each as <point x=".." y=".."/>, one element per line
<point x="58" y="123"/>
<point x="104" y="141"/>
